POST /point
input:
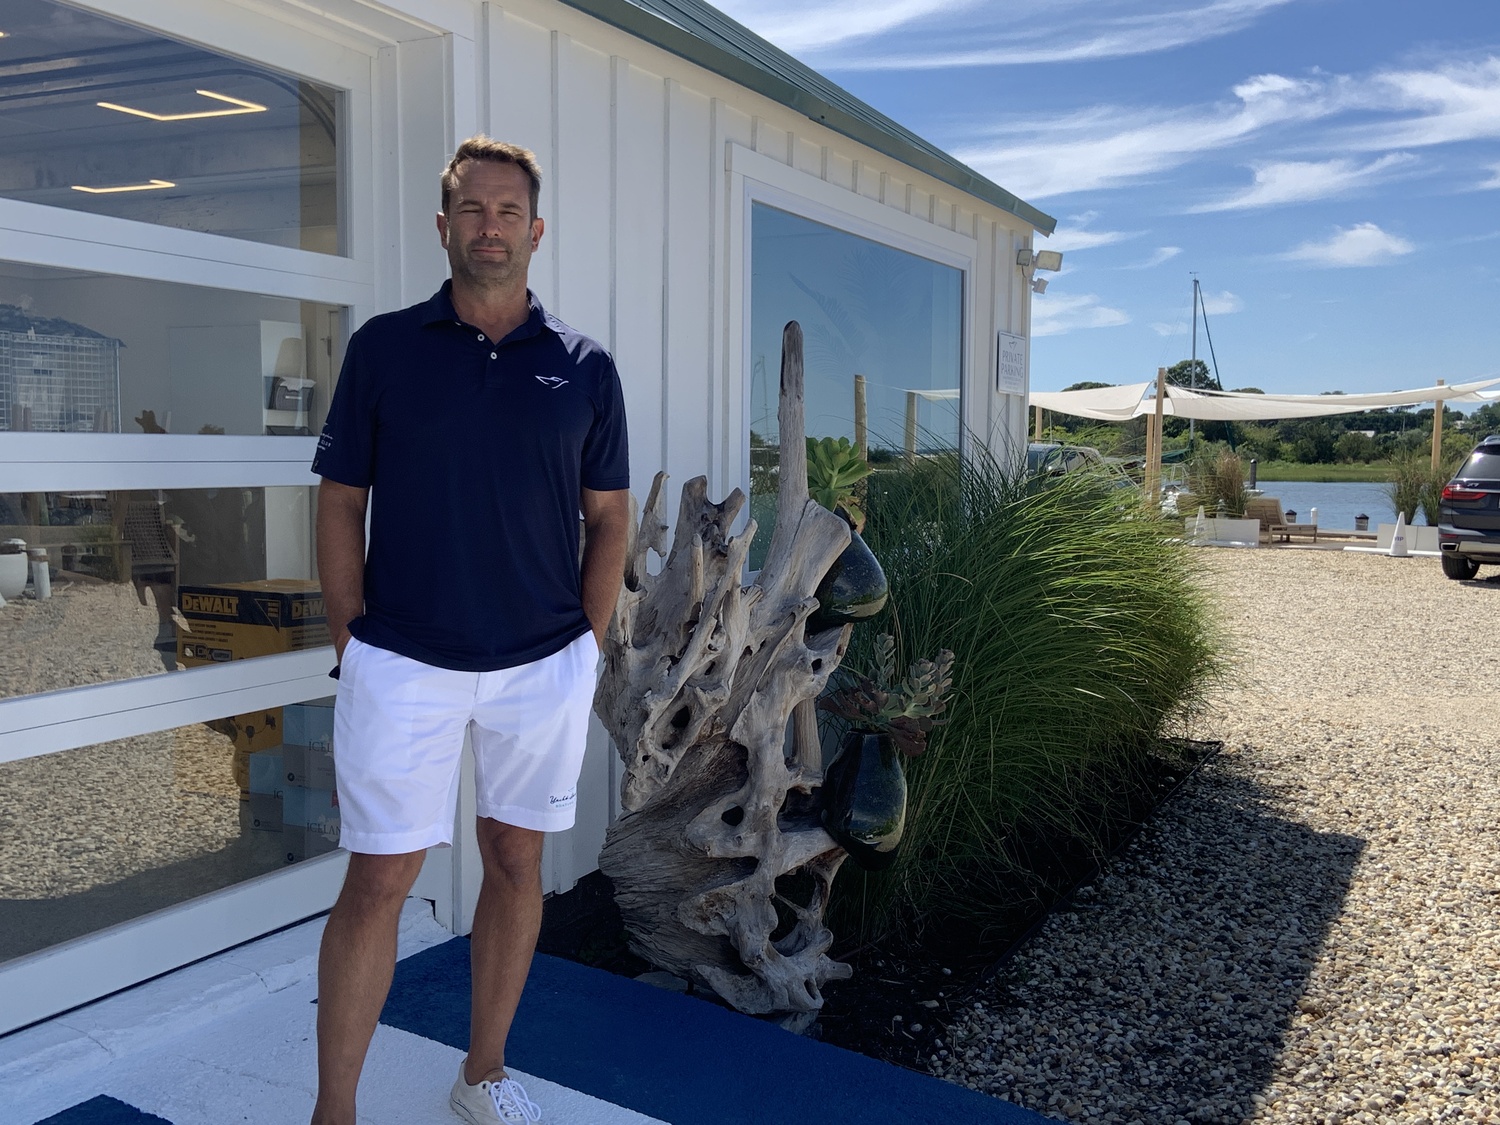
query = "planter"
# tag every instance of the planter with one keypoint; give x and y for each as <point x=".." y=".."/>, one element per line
<point x="853" y="589"/>
<point x="14" y="570"/>
<point x="864" y="799"/>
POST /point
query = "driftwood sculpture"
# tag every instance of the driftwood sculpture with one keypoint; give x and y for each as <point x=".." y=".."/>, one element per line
<point x="701" y="678"/>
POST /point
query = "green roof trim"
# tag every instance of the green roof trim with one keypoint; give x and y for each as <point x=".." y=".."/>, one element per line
<point x="703" y="35"/>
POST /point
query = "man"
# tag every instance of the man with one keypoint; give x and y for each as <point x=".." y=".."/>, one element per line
<point x="477" y="427"/>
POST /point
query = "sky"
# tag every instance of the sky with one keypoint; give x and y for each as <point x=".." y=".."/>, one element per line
<point x="1328" y="169"/>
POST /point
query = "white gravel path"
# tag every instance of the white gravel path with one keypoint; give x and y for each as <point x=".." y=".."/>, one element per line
<point x="1310" y="932"/>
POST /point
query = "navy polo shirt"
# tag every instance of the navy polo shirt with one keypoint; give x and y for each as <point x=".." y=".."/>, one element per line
<point x="474" y="453"/>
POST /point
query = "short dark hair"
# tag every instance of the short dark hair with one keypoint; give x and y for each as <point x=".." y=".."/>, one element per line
<point x="481" y="147"/>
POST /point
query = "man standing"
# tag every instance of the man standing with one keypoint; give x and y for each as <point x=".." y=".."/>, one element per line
<point x="476" y="427"/>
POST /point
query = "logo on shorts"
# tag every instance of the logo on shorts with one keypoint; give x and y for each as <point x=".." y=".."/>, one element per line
<point x="565" y="801"/>
<point x="551" y="381"/>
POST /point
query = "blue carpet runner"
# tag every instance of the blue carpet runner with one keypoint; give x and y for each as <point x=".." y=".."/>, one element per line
<point x="673" y="1057"/>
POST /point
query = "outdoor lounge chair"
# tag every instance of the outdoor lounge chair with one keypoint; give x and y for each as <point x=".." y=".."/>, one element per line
<point x="1273" y="523"/>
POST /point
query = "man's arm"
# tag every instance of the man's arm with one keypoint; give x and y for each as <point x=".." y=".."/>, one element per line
<point x="606" y="528"/>
<point x="341" y="556"/>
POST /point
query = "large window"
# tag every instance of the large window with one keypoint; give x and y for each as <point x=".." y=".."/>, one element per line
<point x="99" y="116"/>
<point x="176" y="284"/>
<point x="883" y="333"/>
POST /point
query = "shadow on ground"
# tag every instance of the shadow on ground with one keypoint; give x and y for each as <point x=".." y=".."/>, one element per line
<point x="1164" y="991"/>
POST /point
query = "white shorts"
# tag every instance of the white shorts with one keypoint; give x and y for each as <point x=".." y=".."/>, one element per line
<point x="398" y="734"/>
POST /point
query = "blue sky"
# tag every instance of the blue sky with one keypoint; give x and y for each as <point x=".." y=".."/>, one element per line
<point x="1330" y="169"/>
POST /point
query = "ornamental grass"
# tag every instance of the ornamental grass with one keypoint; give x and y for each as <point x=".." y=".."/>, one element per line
<point x="1079" y="636"/>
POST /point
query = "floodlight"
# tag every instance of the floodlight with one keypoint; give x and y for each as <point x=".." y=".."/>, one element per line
<point x="1047" y="259"/>
<point x="1023" y="257"/>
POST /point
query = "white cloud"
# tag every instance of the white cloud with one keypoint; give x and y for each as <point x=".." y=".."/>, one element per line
<point x="1494" y="180"/>
<point x="1061" y="313"/>
<point x="1363" y="244"/>
<point x="794" y="25"/>
<point x="1159" y="255"/>
<point x="1019" y="32"/>
<point x="1178" y="328"/>
<point x="1108" y="146"/>
<point x="1296" y="181"/>
<point x="1076" y="238"/>
<point x="1221" y="304"/>
<point x="1454" y="102"/>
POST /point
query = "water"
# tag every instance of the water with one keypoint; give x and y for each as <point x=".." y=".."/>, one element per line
<point x="1338" y="502"/>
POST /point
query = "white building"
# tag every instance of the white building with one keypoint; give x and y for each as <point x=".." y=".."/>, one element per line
<point x="200" y="199"/>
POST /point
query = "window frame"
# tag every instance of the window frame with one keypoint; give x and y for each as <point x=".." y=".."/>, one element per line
<point x="757" y="178"/>
<point x="40" y="984"/>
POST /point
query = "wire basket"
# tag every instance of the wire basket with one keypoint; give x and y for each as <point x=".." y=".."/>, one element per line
<point x="59" y="384"/>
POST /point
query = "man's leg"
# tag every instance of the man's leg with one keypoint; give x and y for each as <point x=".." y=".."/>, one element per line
<point x="507" y="919"/>
<point x="355" y="965"/>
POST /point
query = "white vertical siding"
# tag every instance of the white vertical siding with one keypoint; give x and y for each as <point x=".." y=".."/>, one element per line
<point x="641" y="250"/>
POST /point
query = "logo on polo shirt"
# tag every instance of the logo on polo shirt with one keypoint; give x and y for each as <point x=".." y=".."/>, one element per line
<point x="551" y="381"/>
<point x="565" y="801"/>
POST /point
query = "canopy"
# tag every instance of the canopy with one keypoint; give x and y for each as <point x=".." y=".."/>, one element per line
<point x="1120" y="404"/>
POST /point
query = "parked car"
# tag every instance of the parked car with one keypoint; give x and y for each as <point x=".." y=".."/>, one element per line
<point x="1049" y="459"/>
<point x="1469" y="513"/>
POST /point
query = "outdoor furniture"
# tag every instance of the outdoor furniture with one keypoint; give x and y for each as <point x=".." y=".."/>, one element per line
<point x="1273" y="524"/>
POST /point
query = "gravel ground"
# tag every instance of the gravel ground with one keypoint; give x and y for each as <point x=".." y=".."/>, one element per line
<point x="1309" y="932"/>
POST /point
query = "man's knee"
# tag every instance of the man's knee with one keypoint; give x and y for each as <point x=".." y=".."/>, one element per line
<point x="511" y="854"/>
<point x="380" y="882"/>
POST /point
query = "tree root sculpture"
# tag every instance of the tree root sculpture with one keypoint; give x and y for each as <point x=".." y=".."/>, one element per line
<point x="720" y="866"/>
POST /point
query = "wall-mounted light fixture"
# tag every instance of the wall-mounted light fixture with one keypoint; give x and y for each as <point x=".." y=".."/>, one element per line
<point x="239" y="104"/>
<point x="1039" y="259"/>
<point x="1039" y="285"/>
<point x="150" y="185"/>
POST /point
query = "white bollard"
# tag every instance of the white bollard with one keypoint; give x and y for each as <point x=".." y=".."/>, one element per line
<point x="41" y="577"/>
<point x="1398" y="537"/>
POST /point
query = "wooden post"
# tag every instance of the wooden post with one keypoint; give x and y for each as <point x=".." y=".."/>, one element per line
<point x="861" y="418"/>
<point x="911" y="426"/>
<point x="1038" y="412"/>
<point x="1437" y="433"/>
<point x="1153" y="444"/>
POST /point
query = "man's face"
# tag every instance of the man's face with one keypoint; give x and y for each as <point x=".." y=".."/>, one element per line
<point x="488" y="230"/>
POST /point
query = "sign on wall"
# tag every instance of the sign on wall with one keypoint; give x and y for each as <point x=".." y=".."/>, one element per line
<point x="1010" y="374"/>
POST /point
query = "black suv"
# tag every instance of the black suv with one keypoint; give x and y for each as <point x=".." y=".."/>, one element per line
<point x="1469" y="519"/>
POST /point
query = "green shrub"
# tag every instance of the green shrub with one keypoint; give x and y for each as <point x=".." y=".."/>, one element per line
<point x="1078" y="633"/>
<point x="1415" y="485"/>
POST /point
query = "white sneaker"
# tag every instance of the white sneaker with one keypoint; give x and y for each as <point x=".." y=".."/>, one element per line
<point x="488" y="1102"/>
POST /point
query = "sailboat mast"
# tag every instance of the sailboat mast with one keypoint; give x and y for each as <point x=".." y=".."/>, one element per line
<point x="1193" y="366"/>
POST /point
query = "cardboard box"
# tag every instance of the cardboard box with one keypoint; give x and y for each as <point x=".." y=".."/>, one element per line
<point x="266" y="812"/>
<point x="236" y="620"/>
<point x="309" y="744"/>
<point x="266" y="785"/>
<point x="310" y="822"/>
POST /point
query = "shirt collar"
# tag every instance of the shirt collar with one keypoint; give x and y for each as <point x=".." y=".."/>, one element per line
<point x="438" y="309"/>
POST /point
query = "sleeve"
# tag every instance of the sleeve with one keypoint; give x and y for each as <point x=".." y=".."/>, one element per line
<point x="606" y="450"/>
<point x="346" y="447"/>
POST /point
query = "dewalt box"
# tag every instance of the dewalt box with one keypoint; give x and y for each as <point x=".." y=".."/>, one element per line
<point x="235" y="620"/>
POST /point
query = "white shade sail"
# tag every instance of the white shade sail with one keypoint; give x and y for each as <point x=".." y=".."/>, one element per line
<point x="1119" y="404"/>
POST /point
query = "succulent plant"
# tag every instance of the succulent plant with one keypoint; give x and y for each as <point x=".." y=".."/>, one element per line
<point x="834" y="467"/>
<point x="907" y="710"/>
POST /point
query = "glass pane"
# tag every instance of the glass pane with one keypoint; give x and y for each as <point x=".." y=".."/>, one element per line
<point x="96" y="353"/>
<point x="883" y="333"/>
<point x="100" y="116"/>
<point x="140" y="583"/>
<point x="103" y="834"/>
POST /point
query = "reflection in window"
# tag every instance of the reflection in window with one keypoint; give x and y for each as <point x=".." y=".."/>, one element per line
<point x="141" y="582"/>
<point x="107" y="833"/>
<point x="103" y="117"/>
<point x="93" y="353"/>
<point x="883" y="336"/>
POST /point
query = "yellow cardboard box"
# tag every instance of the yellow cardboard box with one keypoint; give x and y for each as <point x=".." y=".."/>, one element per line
<point x="235" y="620"/>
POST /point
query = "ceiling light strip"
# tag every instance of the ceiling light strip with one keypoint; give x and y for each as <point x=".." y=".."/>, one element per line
<point x="239" y="104"/>
<point x="151" y="185"/>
